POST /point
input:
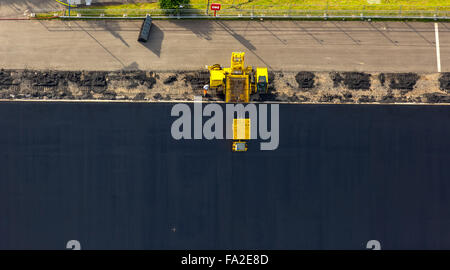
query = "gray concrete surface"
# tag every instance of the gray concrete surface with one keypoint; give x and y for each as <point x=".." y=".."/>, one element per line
<point x="177" y="44"/>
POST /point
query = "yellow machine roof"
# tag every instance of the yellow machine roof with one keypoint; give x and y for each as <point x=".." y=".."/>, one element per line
<point x="241" y="129"/>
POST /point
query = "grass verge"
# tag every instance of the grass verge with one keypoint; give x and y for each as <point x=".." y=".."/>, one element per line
<point x="372" y="8"/>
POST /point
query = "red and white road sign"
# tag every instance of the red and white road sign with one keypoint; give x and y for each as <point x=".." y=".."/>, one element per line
<point x="215" y="6"/>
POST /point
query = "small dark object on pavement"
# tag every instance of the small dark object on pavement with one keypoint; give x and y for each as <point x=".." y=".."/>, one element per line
<point x="144" y="34"/>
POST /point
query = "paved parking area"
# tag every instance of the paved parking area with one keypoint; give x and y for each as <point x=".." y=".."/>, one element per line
<point x="190" y="44"/>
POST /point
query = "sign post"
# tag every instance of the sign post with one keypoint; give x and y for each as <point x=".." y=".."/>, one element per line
<point x="216" y="7"/>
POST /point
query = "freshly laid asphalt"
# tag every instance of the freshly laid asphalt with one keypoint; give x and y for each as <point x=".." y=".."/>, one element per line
<point x="111" y="177"/>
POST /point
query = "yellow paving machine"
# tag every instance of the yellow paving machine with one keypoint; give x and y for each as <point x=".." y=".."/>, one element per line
<point x="238" y="82"/>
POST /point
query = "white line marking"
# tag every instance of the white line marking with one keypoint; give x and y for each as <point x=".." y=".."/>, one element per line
<point x="438" y="49"/>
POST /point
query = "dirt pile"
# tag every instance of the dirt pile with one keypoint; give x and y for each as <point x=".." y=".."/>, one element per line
<point x="315" y="87"/>
<point x="139" y="96"/>
<point x="337" y="79"/>
<point x="134" y="79"/>
<point x="271" y="85"/>
<point x="437" y="98"/>
<point x="196" y="80"/>
<point x="390" y="98"/>
<point x="351" y="80"/>
<point x="305" y="79"/>
<point x="366" y="99"/>
<point x="357" y="80"/>
<point x="45" y="79"/>
<point x="170" y="79"/>
<point x="329" y="98"/>
<point x="94" y="79"/>
<point x="382" y="78"/>
<point x="6" y="80"/>
<point x="444" y="81"/>
<point x="359" y="87"/>
<point x="402" y="81"/>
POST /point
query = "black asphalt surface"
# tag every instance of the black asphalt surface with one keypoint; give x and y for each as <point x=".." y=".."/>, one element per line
<point x="110" y="176"/>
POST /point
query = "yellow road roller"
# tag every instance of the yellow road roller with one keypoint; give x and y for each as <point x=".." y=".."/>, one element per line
<point x="241" y="133"/>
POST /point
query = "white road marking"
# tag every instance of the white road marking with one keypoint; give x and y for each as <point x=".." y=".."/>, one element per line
<point x="438" y="49"/>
